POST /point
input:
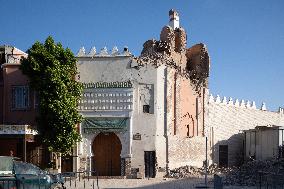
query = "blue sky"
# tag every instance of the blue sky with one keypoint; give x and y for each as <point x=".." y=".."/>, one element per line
<point x="245" y="39"/>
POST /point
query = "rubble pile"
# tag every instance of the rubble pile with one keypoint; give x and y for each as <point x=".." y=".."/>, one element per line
<point x="185" y="172"/>
<point x="192" y="171"/>
<point x="249" y="174"/>
<point x="156" y="53"/>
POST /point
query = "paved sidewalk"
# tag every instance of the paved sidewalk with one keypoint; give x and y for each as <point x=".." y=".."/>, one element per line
<point x="155" y="183"/>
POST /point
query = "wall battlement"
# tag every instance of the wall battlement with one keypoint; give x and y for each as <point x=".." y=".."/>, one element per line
<point x="103" y="52"/>
<point x="226" y="120"/>
<point x="239" y="103"/>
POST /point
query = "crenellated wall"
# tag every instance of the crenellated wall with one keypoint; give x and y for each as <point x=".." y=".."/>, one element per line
<point x="103" y="52"/>
<point x="227" y="118"/>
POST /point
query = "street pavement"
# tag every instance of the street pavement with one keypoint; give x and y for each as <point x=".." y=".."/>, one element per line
<point x="152" y="183"/>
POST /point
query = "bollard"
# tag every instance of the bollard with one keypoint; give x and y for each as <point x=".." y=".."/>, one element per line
<point x="70" y="180"/>
<point x="218" y="182"/>
<point x="93" y="184"/>
<point x="84" y="183"/>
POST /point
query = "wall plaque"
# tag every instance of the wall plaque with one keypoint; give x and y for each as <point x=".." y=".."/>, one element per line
<point x="137" y="136"/>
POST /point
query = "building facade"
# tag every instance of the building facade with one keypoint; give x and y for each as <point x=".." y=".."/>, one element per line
<point x="18" y="106"/>
<point x="143" y="115"/>
<point x="164" y="110"/>
<point x="226" y="121"/>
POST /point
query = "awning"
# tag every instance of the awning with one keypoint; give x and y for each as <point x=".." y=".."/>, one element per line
<point x="104" y="124"/>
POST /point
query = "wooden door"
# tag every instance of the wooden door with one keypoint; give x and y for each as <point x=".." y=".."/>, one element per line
<point x="223" y="155"/>
<point x="150" y="161"/>
<point x="107" y="149"/>
<point x="67" y="164"/>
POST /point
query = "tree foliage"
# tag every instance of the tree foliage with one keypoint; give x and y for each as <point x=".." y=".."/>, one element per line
<point x="52" y="70"/>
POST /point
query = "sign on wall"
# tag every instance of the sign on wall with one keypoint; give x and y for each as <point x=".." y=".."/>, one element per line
<point x="137" y="136"/>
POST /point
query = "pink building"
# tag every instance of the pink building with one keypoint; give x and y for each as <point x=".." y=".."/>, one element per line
<point x="18" y="135"/>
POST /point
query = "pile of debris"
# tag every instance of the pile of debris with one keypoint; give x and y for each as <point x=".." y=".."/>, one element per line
<point x="249" y="174"/>
<point x="185" y="172"/>
<point x="192" y="171"/>
<point x="252" y="173"/>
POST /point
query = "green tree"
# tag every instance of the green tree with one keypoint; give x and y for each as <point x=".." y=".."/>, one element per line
<point x="52" y="70"/>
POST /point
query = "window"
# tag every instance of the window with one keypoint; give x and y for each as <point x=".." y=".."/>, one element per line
<point x="187" y="126"/>
<point x="146" y="109"/>
<point x="20" y="97"/>
<point x="223" y="156"/>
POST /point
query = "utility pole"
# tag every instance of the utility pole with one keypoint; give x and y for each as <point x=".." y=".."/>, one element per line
<point x="205" y="186"/>
<point x="206" y="161"/>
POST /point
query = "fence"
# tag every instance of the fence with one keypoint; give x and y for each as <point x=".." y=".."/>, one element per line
<point x="7" y="182"/>
<point x="81" y="180"/>
<point x="43" y="181"/>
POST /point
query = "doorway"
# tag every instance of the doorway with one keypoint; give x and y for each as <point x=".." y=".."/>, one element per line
<point x="150" y="161"/>
<point x="67" y="163"/>
<point x="107" y="149"/>
<point x="223" y="155"/>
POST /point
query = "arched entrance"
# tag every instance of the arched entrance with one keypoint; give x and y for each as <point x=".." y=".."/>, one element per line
<point x="106" y="149"/>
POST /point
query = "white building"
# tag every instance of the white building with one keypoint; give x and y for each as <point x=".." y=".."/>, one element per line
<point x="120" y="105"/>
<point x="142" y="115"/>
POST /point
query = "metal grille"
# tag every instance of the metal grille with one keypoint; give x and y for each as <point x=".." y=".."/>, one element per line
<point x="122" y="167"/>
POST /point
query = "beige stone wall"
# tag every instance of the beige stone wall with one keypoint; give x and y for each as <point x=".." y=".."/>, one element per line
<point x="186" y="151"/>
<point x="226" y="121"/>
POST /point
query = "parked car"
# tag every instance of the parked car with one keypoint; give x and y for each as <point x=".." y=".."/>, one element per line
<point x="16" y="174"/>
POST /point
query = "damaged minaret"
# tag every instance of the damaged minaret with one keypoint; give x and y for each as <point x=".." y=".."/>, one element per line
<point x="171" y="50"/>
<point x="174" y="19"/>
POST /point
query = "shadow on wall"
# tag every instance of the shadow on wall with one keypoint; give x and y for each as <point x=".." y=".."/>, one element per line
<point x="230" y="152"/>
